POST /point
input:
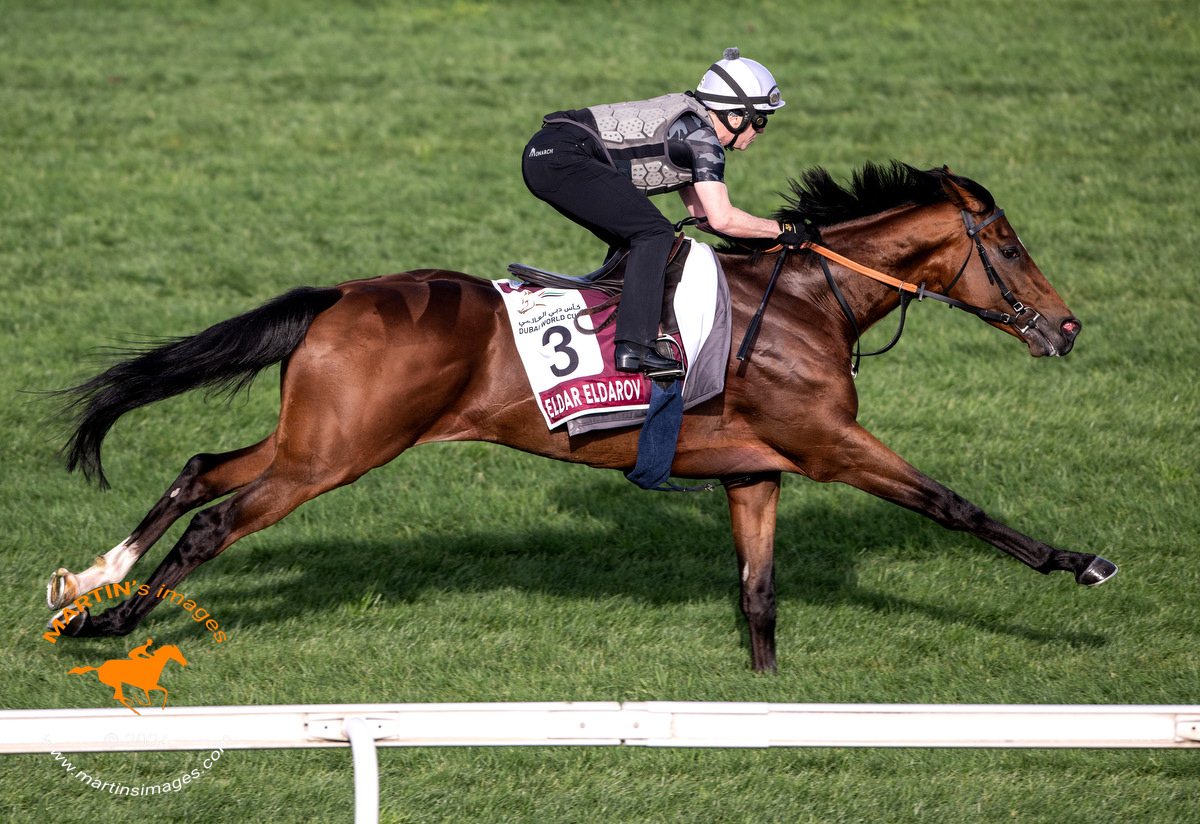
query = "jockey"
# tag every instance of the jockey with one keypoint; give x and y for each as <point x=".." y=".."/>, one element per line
<point x="143" y="651"/>
<point x="598" y="166"/>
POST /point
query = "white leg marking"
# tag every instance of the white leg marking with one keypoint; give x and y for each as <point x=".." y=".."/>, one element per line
<point x="174" y="492"/>
<point x="745" y="573"/>
<point x="109" y="568"/>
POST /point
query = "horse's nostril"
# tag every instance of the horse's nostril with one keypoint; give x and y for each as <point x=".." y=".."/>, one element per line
<point x="1071" y="327"/>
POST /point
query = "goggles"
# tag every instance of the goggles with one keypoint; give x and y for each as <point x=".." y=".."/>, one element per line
<point x="758" y="120"/>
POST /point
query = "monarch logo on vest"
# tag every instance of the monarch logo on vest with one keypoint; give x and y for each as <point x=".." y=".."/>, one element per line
<point x="542" y="153"/>
<point x="140" y="668"/>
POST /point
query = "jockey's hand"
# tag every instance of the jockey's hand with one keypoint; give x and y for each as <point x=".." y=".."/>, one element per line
<point x="790" y="236"/>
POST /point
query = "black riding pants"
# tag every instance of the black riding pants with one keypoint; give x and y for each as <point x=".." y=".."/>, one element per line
<point x="564" y="167"/>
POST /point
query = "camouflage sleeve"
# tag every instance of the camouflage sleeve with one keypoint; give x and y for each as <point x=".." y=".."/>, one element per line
<point x="693" y="144"/>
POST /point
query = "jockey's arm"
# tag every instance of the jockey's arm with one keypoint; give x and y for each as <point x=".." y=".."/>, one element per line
<point x="709" y="201"/>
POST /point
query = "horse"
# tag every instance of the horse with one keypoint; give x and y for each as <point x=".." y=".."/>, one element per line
<point x="142" y="673"/>
<point x="375" y="366"/>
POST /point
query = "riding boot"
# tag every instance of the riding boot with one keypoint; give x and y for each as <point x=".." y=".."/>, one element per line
<point x="634" y="357"/>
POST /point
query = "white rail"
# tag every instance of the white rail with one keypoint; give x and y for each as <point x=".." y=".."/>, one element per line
<point x="640" y="724"/>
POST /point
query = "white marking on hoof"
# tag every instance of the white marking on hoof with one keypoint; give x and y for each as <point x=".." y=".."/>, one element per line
<point x="110" y="568"/>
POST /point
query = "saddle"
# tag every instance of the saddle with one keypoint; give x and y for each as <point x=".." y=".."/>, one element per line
<point x="609" y="280"/>
<point x="569" y="364"/>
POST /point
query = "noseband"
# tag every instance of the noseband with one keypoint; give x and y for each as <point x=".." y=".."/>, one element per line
<point x="908" y="291"/>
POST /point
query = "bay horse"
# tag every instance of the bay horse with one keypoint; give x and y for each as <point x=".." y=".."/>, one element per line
<point x="372" y="367"/>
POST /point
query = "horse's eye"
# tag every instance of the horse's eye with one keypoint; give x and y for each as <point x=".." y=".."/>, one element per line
<point x="1011" y="252"/>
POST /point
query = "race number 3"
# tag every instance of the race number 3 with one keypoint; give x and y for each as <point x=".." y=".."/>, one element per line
<point x="564" y="338"/>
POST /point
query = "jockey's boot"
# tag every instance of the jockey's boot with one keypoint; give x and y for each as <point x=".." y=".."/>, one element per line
<point x="634" y="357"/>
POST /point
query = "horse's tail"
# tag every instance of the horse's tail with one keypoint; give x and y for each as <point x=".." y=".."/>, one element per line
<point x="225" y="358"/>
<point x="78" y="670"/>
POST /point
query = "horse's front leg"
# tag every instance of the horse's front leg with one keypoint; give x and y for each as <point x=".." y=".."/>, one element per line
<point x="204" y="479"/>
<point x="752" y="507"/>
<point x="862" y="461"/>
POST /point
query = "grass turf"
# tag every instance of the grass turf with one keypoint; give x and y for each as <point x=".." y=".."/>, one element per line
<point x="165" y="166"/>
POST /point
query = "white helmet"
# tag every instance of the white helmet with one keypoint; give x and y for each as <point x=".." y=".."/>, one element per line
<point x="737" y="83"/>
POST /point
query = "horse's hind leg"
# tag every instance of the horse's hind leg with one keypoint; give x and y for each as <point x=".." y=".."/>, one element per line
<point x="118" y="695"/>
<point x="348" y="404"/>
<point x="205" y="478"/>
<point x="285" y="485"/>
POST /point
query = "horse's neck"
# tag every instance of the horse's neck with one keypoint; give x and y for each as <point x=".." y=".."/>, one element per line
<point x="903" y="243"/>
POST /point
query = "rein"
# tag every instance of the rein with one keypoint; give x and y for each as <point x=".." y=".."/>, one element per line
<point x="907" y="290"/>
<point x="752" y="329"/>
<point x="920" y="293"/>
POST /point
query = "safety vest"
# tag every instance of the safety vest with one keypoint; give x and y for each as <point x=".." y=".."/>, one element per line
<point x="634" y="135"/>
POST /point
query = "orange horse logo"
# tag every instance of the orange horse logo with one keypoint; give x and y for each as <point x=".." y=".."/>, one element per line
<point x="141" y="669"/>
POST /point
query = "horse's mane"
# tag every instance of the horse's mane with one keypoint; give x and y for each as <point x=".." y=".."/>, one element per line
<point x="817" y="200"/>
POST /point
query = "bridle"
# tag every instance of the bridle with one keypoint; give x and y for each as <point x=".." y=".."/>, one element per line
<point x="973" y="230"/>
<point x="908" y="291"/>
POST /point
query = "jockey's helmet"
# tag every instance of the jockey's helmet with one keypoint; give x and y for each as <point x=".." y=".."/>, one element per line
<point x="735" y="82"/>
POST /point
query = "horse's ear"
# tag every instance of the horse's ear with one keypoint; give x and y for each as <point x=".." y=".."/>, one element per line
<point x="958" y="195"/>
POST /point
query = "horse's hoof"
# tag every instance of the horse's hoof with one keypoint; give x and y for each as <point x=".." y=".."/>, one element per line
<point x="1097" y="572"/>
<point x="69" y="628"/>
<point x="62" y="589"/>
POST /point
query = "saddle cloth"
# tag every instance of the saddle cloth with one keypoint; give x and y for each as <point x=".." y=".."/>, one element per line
<point x="570" y="366"/>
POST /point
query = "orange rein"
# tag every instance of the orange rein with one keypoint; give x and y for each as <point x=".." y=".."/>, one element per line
<point x="752" y="329"/>
<point x="829" y="254"/>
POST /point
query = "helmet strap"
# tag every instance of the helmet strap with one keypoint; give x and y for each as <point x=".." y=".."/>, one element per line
<point x="723" y="114"/>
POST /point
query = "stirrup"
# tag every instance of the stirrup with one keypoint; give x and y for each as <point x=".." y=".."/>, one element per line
<point x="666" y="342"/>
<point x="667" y="375"/>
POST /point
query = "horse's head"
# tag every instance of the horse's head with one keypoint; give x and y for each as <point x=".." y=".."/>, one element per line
<point x="999" y="275"/>
<point x="941" y="230"/>
<point x="171" y="653"/>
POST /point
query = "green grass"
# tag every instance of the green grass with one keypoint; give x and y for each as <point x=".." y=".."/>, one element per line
<point x="164" y="166"/>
